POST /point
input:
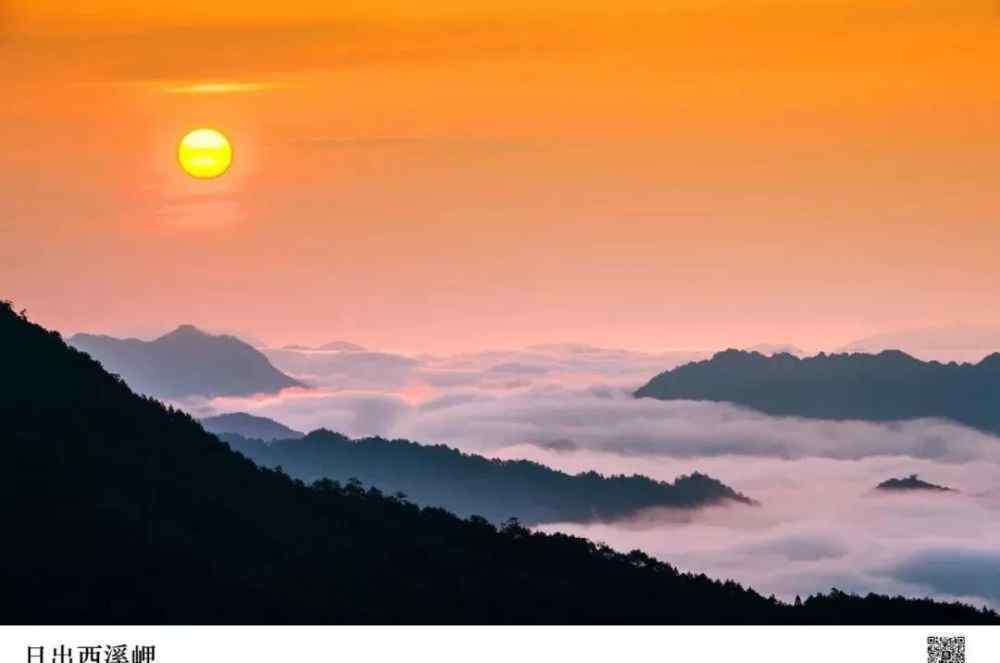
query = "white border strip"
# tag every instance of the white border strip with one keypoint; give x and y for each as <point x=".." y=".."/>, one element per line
<point x="409" y="644"/>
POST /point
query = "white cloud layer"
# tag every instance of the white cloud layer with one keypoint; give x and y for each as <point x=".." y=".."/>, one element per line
<point x="821" y="523"/>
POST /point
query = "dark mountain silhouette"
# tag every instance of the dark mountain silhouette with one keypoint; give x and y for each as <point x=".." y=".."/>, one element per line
<point x="473" y="485"/>
<point x="769" y="349"/>
<point x="911" y="483"/>
<point x="249" y="426"/>
<point x="186" y="362"/>
<point x="888" y="386"/>
<point x="118" y="509"/>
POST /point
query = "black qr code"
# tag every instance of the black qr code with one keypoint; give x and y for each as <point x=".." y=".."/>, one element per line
<point x="946" y="650"/>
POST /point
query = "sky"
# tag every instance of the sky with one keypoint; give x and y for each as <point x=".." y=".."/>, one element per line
<point x="446" y="176"/>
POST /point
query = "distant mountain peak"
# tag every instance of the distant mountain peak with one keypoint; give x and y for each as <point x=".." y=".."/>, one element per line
<point x="898" y="355"/>
<point x="771" y="349"/>
<point x="991" y="361"/>
<point x="249" y="426"/>
<point x="889" y="386"/>
<point x="186" y="331"/>
<point x="735" y="356"/>
<point x="187" y="362"/>
<point x="912" y="482"/>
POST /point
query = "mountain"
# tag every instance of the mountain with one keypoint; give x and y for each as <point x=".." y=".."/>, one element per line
<point x="911" y="483"/>
<point x="249" y="426"/>
<point x="118" y="509"/>
<point x="186" y="362"/>
<point x="888" y="386"/>
<point x="470" y="485"/>
<point x="776" y="348"/>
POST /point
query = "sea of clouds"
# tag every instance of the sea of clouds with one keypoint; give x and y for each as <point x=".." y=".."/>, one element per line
<point x="821" y="523"/>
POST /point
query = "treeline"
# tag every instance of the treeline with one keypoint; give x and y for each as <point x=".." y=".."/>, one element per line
<point x="467" y="484"/>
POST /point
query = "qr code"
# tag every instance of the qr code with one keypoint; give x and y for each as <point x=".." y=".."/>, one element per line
<point x="946" y="650"/>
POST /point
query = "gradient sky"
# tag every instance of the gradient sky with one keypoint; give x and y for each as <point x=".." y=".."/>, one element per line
<point x="447" y="176"/>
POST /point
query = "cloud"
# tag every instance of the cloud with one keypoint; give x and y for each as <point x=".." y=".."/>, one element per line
<point x="801" y="548"/>
<point x="609" y="419"/>
<point x="821" y="523"/>
<point x="187" y="86"/>
<point x="559" y="445"/>
<point x="227" y="87"/>
<point x="547" y="396"/>
<point x="381" y="371"/>
<point x="337" y="142"/>
<point x="353" y="413"/>
<point x="958" y="572"/>
<point x="188" y="54"/>
<point x="515" y="368"/>
<point x="489" y="370"/>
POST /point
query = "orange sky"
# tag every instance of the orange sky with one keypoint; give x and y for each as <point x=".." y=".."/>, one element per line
<point x="445" y="176"/>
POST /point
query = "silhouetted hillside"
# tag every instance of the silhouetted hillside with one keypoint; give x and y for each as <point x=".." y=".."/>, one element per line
<point x="888" y="386"/>
<point x="911" y="483"/>
<point x="249" y="426"/>
<point x="186" y="362"/>
<point x="472" y="485"/>
<point x="117" y="509"/>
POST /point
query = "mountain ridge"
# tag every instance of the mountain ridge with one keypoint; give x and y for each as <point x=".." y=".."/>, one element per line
<point x="473" y="485"/>
<point x="249" y="426"/>
<point x="889" y="386"/>
<point x="186" y="362"/>
<point x="912" y="482"/>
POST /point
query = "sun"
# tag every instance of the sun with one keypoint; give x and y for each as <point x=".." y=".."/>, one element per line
<point x="205" y="153"/>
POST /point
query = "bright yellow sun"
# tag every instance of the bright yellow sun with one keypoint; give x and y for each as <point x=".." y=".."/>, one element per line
<point x="205" y="153"/>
